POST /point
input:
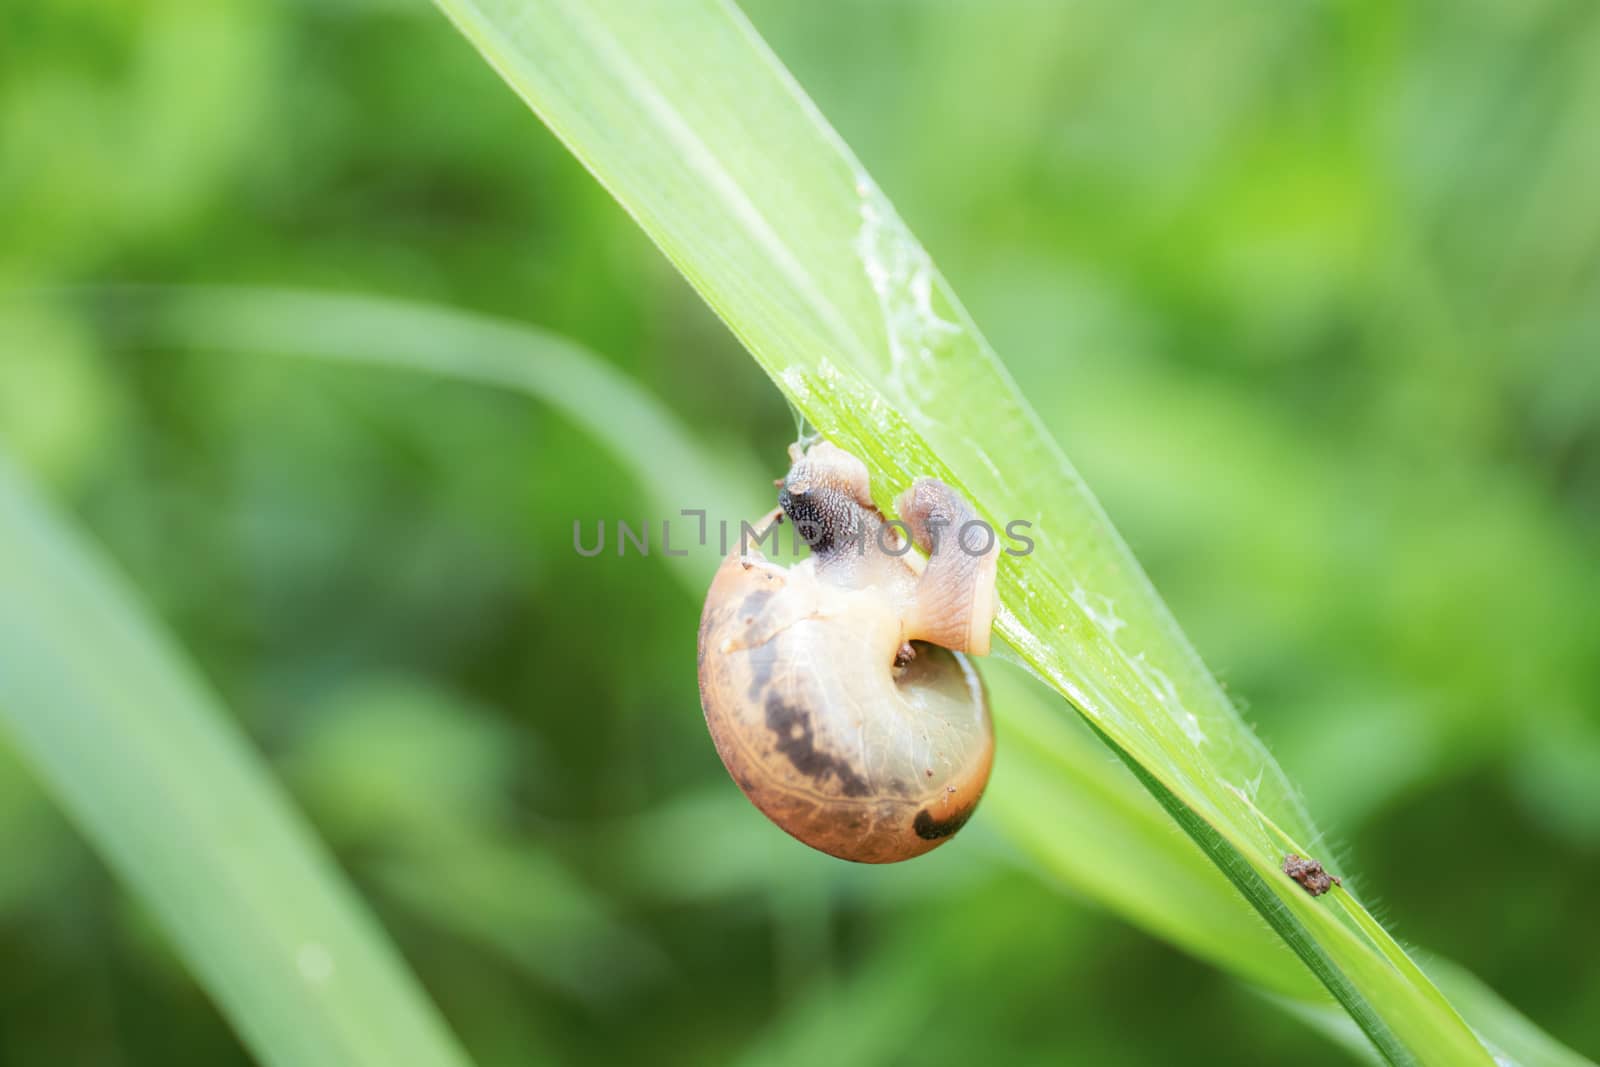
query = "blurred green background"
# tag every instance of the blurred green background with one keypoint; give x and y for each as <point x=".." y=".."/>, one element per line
<point x="1310" y="292"/>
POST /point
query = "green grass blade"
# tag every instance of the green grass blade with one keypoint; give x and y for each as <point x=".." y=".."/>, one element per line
<point x="1084" y="820"/>
<point x="1115" y="853"/>
<point x="411" y="335"/>
<point x="105" y="712"/>
<point x="1512" y="1036"/>
<point x="685" y="116"/>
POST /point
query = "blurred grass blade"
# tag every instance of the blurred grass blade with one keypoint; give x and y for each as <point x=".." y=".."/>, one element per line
<point x="1083" y="821"/>
<point x="410" y="780"/>
<point x="1509" y="1035"/>
<point x="104" y="710"/>
<point x="410" y="335"/>
<point x="1512" y="1036"/>
<point x="685" y="116"/>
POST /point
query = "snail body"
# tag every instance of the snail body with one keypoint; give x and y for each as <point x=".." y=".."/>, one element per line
<point x="836" y="690"/>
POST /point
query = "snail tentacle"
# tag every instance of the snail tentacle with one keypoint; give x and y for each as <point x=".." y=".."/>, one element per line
<point x="954" y="604"/>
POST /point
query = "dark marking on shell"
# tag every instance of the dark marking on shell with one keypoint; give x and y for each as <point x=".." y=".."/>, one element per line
<point x="930" y="829"/>
<point x="794" y="737"/>
<point x="763" y="661"/>
<point x="754" y="603"/>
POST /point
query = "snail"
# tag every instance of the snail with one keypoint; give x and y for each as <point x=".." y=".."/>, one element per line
<point x="836" y="689"/>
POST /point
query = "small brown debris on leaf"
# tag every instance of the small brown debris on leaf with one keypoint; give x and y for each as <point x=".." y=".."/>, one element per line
<point x="1310" y="874"/>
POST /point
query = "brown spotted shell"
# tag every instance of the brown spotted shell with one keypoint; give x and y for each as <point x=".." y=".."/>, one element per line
<point x="843" y="749"/>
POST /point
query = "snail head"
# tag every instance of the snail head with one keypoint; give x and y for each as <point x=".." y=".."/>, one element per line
<point x="826" y="495"/>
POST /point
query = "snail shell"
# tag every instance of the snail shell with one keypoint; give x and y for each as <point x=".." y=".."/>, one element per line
<point x="826" y="699"/>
